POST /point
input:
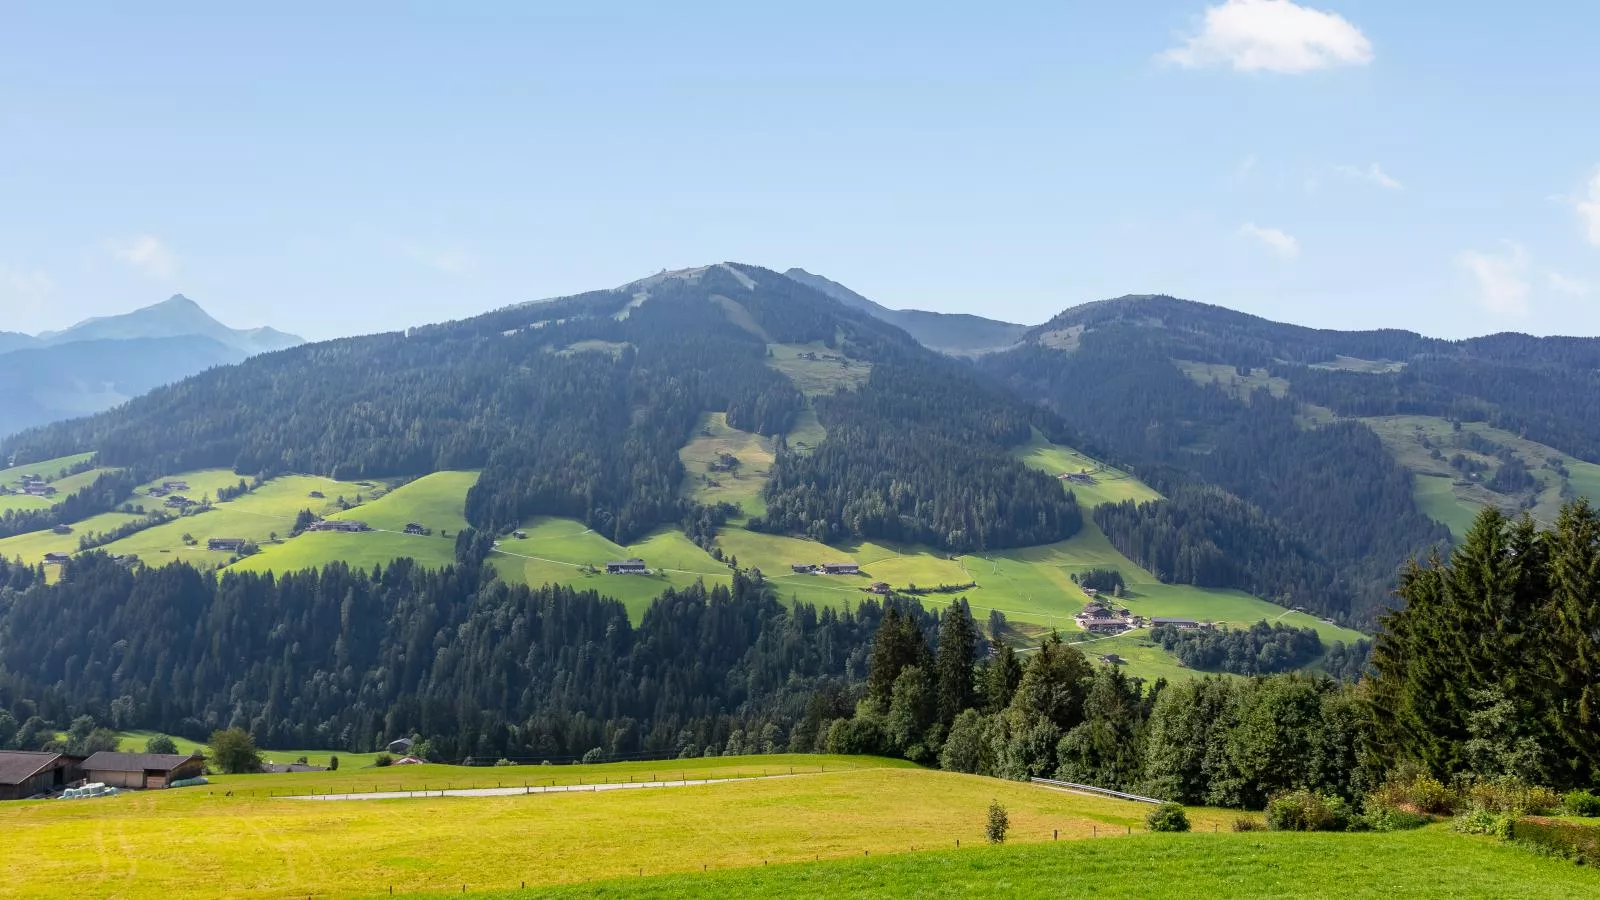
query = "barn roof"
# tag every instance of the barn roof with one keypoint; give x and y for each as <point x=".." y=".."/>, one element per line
<point x="17" y="766"/>
<point x="107" y="761"/>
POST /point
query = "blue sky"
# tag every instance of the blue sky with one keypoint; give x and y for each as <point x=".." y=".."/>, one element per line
<point x="342" y="168"/>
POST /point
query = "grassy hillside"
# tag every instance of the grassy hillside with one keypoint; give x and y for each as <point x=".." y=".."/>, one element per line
<point x="1280" y="866"/>
<point x="256" y="516"/>
<point x="436" y="501"/>
<point x="1110" y="485"/>
<point x="714" y="437"/>
<point x="32" y="547"/>
<point x="1448" y="496"/>
<point x="50" y="470"/>
<point x="196" y="841"/>
<point x="817" y="369"/>
<point x="1229" y="379"/>
<point x="564" y="551"/>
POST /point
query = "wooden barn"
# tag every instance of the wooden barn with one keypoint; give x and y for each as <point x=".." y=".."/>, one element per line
<point x="25" y="774"/>
<point x="142" y="771"/>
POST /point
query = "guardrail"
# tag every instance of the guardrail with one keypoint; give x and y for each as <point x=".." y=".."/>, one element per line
<point x="1104" y="792"/>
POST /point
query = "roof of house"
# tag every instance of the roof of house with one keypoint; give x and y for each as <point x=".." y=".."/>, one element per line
<point x="17" y="766"/>
<point x="108" y="761"/>
<point x="1163" y="620"/>
<point x="626" y="562"/>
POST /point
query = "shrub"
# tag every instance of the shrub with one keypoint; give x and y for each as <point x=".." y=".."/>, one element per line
<point x="1581" y="803"/>
<point x="1484" y="821"/>
<point x="1580" y="843"/>
<point x="999" y="823"/>
<point x="1168" y="817"/>
<point x="598" y="755"/>
<point x="1307" y="811"/>
<point x="1512" y="795"/>
<point x="1418" y="793"/>
<point x="1248" y="823"/>
<point x="1385" y="818"/>
<point x="333" y="763"/>
<point x="383" y="759"/>
<point x="502" y="761"/>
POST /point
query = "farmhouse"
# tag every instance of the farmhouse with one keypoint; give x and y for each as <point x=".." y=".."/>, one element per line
<point x="841" y="569"/>
<point x="36" y="489"/>
<point x="159" y="492"/>
<point x="231" y="545"/>
<point x="627" y="567"/>
<point x="317" y="495"/>
<point x="415" y="528"/>
<point x="175" y="485"/>
<point x="56" y="559"/>
<point x="62" y="529"/>
<point x="25" y="774"/>
<point x="1102" y="624"/>
<point x="179" y="502"/>
<point x="142" y="770"/>
<point x="520" y="535"/>
<point x="1112" y="659"/>
<point x="802" y="568"/>
<point x="401" y="746"/>
<point x="879" y="587"/>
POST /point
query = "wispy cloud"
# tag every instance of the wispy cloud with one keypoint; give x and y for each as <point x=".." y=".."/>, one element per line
<point x="23" y="293"/>
<point x="1502" y="279"/>
<point x="1588" y="207"/>
<point x="1277" y="241"/>
<point x="1374" y="174"/>
<point x="447" y="259"/>
<point x="146" y="253"/>
<point x="1271" y="36"/>
<point x="1561" y="284"/>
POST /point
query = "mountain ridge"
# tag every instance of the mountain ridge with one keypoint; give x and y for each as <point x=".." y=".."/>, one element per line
<point x="956" y="334"/>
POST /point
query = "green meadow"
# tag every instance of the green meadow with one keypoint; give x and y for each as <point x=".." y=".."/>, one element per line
<point x="1276" y="866"/>
<point x="239" y="837"/>
<point x="1229" y="379"/>
<point x="31" y="547"/>
<point x="816" y="368"/>
<point x="256" y="516"/>
<point x="1110" y="485"/>
<point x="436" y="501"/>
<point x="713" y="437"/>
<point x="49" y="469"/>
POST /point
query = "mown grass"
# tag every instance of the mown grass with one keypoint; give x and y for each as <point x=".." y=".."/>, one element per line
<point x="1281" y="866"/>
<point x="437" y="501"/>
<point x="827" y="372"/>
<point x="256" y="516"/>
<point x="565" y="551"/>
<point x="1229" y="379"/>
<point x="1111" y="485"/>
<point x="202" y="842"/>
<point x="136" y="741"/>
<point x="713" y="437"/>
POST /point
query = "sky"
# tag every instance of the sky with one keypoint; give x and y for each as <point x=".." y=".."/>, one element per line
<point x="335" y="169"/>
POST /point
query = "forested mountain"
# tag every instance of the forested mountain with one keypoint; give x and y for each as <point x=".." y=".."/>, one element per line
<point x="100" y="363"/>
<point x="578" y="406"/>
<point x="959" y="334"/>
<point x="1251" y="429"/>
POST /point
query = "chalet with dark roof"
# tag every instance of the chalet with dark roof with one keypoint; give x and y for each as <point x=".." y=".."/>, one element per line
<point x="415" y="528"/>
<point x="841" y="569"/>
<point x="142" y="771"/>
<point x="229" y="545"/>
<point x="627" y="567"/>
<point x="56" y="559"/>
<point x="25" y="774"/>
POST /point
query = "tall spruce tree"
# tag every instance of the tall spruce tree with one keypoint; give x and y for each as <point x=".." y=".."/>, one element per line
<point x="1571" y="657"/>
<point x="953" y="664"/>
<point x="897" y="644"/>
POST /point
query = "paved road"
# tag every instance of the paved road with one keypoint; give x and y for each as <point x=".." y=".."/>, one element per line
<point x="532" y="789"/>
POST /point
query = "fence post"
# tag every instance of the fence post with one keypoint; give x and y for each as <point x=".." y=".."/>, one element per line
<point x="1056" y="836"/>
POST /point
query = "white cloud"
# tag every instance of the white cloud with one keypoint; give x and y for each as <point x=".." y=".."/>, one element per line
<point x="147" y="254"/>
<point x="1589" y="209"/>
<point x="449" y="260"/>
<point x="1373" y="173"/>
<point x="1272" y="36"/>
<point x="1503" y="287"/>
<point x="1277" y="241"/>
<point x="1561" y="284"/>
<point x="23" y="295"/>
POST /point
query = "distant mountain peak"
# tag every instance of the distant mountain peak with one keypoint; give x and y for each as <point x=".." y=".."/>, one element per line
<point x="176" y="316"/>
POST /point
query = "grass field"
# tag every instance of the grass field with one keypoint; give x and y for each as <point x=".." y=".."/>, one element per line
<point x="565" y="551"/>
<point x="807" y="432"/>
<point x="714" y="437"/>
<point x="816" y="369"/>
<point x="32" y="547"/>
<point x="437" y="501"/>
<point x="1277" y="866"/>
<point x="1441" y="492"/>
<point x="1111" y="485"/>
<point x="50" y="470"/>
<point x="256" y="516"/>
<point x="135" y="741"/>
<point x="1364" y="366"/>
<point x="199" y="841"/>
<point x="1226" y="376"/>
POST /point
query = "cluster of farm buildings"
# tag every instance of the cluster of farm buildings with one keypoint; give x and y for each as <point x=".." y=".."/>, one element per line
<point x="1098" y="618"/>
<point x="28" y="774"/>
<point x="30" y="485"/>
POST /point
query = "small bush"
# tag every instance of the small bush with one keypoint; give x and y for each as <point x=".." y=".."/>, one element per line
<point x="1513" y="795"/>
<point x="1418" y="793"/>
<point x="1249" y="823"/>
<point x="999" y="823"/>
<point x="1484" y="821"/>
<point x="1306" y="811"/>
<point x="502" y="761"/>
<point x="1168" y="817"/>
<point x="1389" y="819"/>
<point x="383" y="759"/>
<point x="1581" y="803"/>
